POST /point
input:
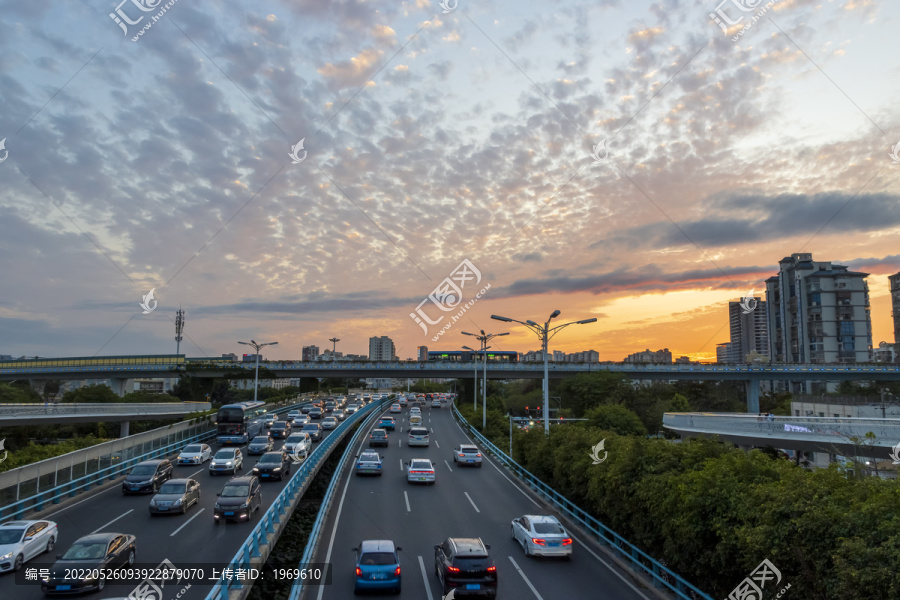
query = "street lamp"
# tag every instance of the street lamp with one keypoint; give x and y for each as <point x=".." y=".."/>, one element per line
<point x="484" y="338"/>
<point x="545" y="333"/>
<point x="474" y="389"/>
<point x="334" y="342"/>
<point x="257" y="347"/>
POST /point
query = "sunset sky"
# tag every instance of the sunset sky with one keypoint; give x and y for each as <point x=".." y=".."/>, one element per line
<point x="430" y="138"/>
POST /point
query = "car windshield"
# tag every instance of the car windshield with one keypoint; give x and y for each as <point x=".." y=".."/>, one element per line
<point x="418" y="432"/>
<point x="377" y="558"/>
<point x="548" y="528"/>
<point x="279" y="425"/>
<point x="422" y="465"/>
<point x="270" y="458"/>
<point x="260" y="440"/>
<point x="296" y="438"/>
<point x="172" y="488"/>
<point x="144" y="470"/>
<point x="469" y="450"/>
<point x="311" y="427"/>
<point x="85" y="551"/>
<point x="379" y="433"/>
<point x="236" y="491"/>
<point x="193" y="448"/>
<point x="225" y="454"/>
<point x="369" y="456"/>
<point x="10" y="536"/>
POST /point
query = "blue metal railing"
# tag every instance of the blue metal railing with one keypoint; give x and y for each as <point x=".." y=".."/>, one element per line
<point x="283" y="505"/>
<point x="89" y="481"/>
<point x="639" y="560"/>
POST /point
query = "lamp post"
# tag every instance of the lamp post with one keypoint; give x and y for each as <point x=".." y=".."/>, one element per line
<point x="474" y="389"/>
<point x="545" y="333"/>
<point x="257" y="347"/>
<point x="484" y="338"/>
<point x="334" y="342"/>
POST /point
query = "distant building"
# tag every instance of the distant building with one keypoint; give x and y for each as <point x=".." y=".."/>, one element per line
<point x="230" y="356"/>
<point x="895" y="307"/>
<point x="381" y="348"/>
<point x="355" y="357"/>
<point x="683" y="360"/>
<point x="251" y="358"/>
<point x="658" y="357"/>
<point x="309" y="353"/>
<point x="6" y="357"/>
<point x="749" y="330"/>
<point x="884" y="353"/>
<point x="723" y="352"/>
<point x="422" y="353"/>
<point x="585" y="356"/>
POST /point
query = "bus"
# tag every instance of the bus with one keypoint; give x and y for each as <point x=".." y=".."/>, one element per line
<point x="241" y="422"/>
<point x="468" y="356"/>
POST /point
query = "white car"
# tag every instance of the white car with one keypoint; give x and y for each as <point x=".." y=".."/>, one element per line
<point x="339" y="414"/>
<point x="194" y="454"/>
<point x="297" y="445"/>
<point x="20" y="541"/>
<point x="352" y="408"/>
<point x="415" y="410"/>
<point x="420" y="470"/>
<point x="227" y="460"/>
<point x="396" y="408"/>
<point x="294" y="414"/>
<point x="542" y="535"/>
<point x="330" y="422"/>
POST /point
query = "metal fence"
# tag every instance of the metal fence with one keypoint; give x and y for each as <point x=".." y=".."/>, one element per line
<point x="130" y="409"/>
<point x="638" y="560"/>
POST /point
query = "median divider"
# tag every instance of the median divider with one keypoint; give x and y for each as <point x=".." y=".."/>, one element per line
<point x="633" y="557"/>
<point x="259" y="544"/>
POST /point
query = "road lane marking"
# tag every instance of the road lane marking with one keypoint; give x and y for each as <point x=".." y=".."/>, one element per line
<point x="538" y="596"/>
<point x="401" y="464"/>
<point x="608" y="566"/>
<point x="398" y="445"/>
<point x="473" y="503"/>
<point x="436" y="444"/>
<point x="425" y="579"/>
<point x="56" y="512"/>
<point x="337" y="519"/>
<point x="195" y="472"/>
<point x="197" y="514"/>
<point x="448" y="465"/>
<point x="406" y="497"/>
<point x="111" y="522"/>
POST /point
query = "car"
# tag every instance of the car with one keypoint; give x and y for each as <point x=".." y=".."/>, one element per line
<point x="401" y="401"/>
<point x="420" y="470"/>
<point x="418" y="436"/>
<point x="464" y="565"/>
<point x="435" y="403"/>
<point x="339" y="414"/>
<point x="377" y="566"/>
<point x="85" y="557"/>
<point x="300" y="421"/>
<point x="329" y="407"/>
<point x="329" y="422"/>
<point x="297" y="446"/>
<point x="20" y="541"/>
<point x="305" y="409"/>
<point x="415" y="410"/>
<point x="314" y="430"/>
<point x="194" y="454"/>
<point x="396" y="408"/>
<point x="315" y="413"/>
<point x="237" y="501"/>
<point x="369" y="462"/>
<point x="146" y="477"/>
<point x="387" y="423"/>
<point x="378" y="437"/>
<point x="175" y="495"/>
<point x="467" y="454"/>
<point x="260" y="445"/>
<point x="352" y="408"/>
<point x="268" y="419"/>
<point x="227" y="460"/>
<point x="293" y="415"/>
<point x="415" y="420"/>
<point x="280" y="429"/>
<point x="273" y="465"/>
<point x="542" y="535"/>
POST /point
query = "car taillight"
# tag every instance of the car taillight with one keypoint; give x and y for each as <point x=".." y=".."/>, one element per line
<point x="567" y="541"/>
<point x="461" y="455"/>
<point x="491" y="569"/>
<point x="358" y="572"/>
<point x="478" y="455"/>
<point x="397" y="571"/>
<point x="453" y="569"/>
<point x="537" y="541"/>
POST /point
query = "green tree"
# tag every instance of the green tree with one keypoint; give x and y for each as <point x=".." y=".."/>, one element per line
<point x="586" y="390"/>
<point x="17" y="393"/>
<point x="679" y="403"/>
<point x="91" y="393"/>
<point x="615" y="418"/>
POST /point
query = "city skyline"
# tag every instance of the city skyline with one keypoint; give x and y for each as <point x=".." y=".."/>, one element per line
<point x="298" y="171"/>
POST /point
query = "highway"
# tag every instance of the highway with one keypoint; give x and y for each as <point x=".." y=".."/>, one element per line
<point x="463" y="502"/>
<point x="187" y="541"/>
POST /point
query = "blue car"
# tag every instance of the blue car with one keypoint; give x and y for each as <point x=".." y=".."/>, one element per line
<point x="377" y="566"/>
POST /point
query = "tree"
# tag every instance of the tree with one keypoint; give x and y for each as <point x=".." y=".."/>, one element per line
<point x="615" y="418"/>
<point x="586" y="390"/>
<point x="17" y="393"/>
<point x="679" y="403"/>
<point x="91" y="393"/>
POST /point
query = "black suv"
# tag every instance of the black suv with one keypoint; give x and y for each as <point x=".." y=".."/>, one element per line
<point x="463" y="565"/>
<point x="273" y="465"/>
<point x="378" y="437"/>
<point x="280" y="429"/>
<point x="146" y="477"/>
<point x="238" y="499"/>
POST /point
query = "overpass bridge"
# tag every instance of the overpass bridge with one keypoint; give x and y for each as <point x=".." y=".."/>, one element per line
<point x="120" y="369"/>
<point x="48" y="414"/>
<point x="843" y="436"/>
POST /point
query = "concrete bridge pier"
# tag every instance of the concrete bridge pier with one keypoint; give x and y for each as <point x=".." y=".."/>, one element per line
<point x="124" y="428"/>
<point x="753" y="395"/>
<point x="38" y="385"/>
<point x="118" y="385"/>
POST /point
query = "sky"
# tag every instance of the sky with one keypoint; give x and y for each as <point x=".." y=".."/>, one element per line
<point x="297" y="170"/>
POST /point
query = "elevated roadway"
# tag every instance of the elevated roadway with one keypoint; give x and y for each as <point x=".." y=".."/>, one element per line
<point x="54" y="413"/>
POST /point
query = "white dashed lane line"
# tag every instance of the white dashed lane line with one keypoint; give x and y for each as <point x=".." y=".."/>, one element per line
<point x="448" y="465"/>
<point x="471" y="502"/>
<point x="425" y="579"/>
<point x="406" y="497"/>
<point x="536" y="595"/>
<point x="186" y="522"/>
<point x="102" y="527"/>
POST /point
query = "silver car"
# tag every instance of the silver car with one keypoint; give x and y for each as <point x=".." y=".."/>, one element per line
<point x="20" y="541"/>
<point x="542" y="535"/>
<point x="420" y="470"/>
<point x="339" y="414"/>
<point x="226" y="460"/>
<point x="329" y="422"/>
<point x="194" y="454"/>
<point x="175" y="495"/>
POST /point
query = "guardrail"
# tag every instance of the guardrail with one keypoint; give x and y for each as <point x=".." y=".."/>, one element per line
<point x="824" y="429"/>
<point x="312" y="544"/>
<point x="112" y="408"/>
<point x="258" y="545"/>
<point x="639" y="561"/>
<point x="76" y="472"/>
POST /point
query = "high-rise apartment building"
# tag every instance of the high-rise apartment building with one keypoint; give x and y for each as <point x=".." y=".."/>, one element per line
<point x="749" y="330"/>
<point x="422" y="353"/>
<point x="817" y="312"/>
<point x="648" y="356"/>
<point x="895" y="308"/>
<point x="723" y="353"/>
<point x="381" y="348"/>
<point x="309" y="353"/>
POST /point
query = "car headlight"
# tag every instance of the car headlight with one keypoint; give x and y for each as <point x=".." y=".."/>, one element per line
<point x="7" y="555"/>
<point x="228" y="464"/>
<point x="153" y="502"/>
<point x="255" y="469"/>
<point x="178" y="502"/>
<point x="277" y="469"/>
